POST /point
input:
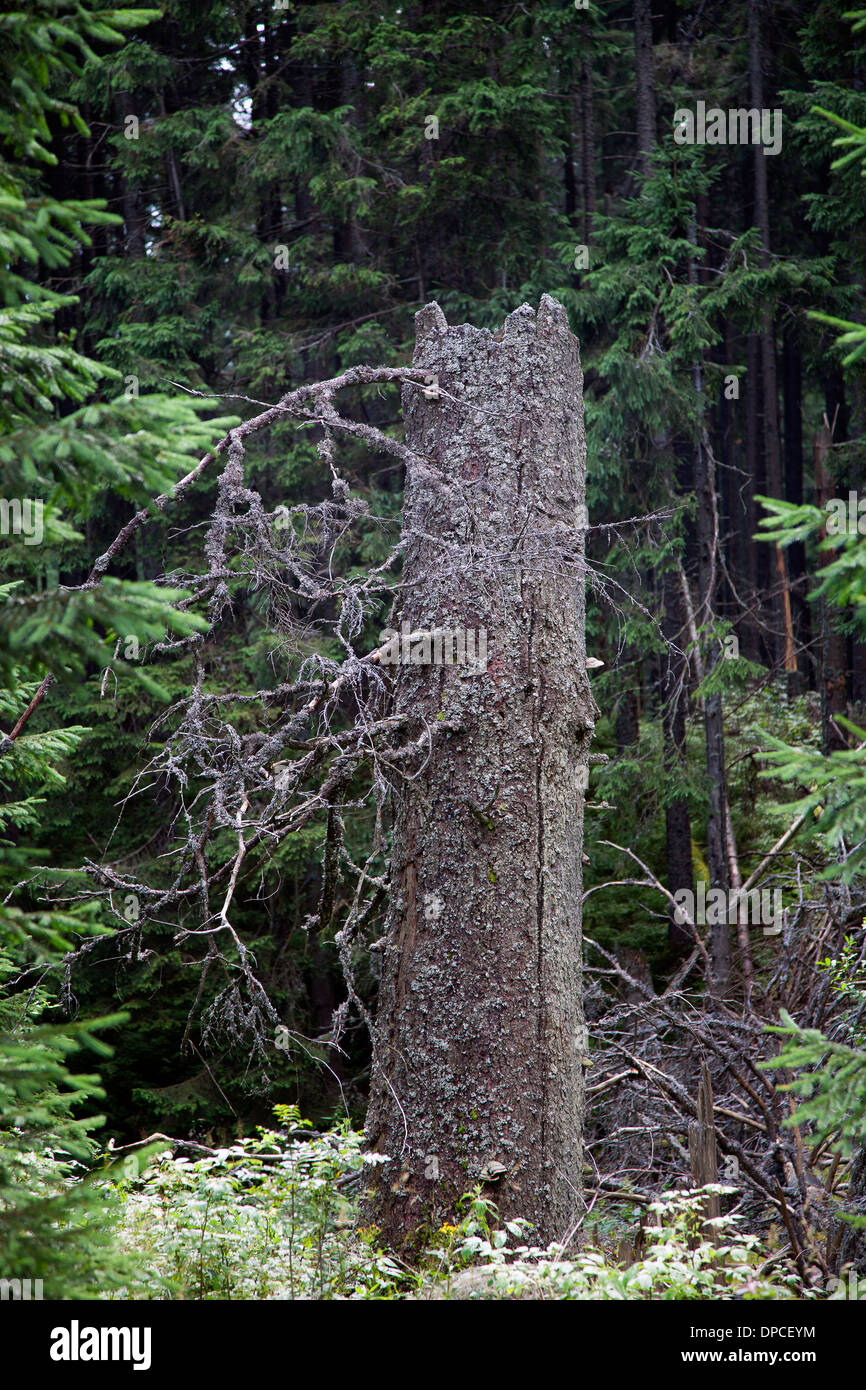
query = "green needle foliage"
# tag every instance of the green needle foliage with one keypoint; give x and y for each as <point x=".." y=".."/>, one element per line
<point x="66" y="436"/>
<point x="831" y="1085"/>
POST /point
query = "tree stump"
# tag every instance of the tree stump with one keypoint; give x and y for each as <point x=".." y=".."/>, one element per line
<point x="702" y="1149"/>
<point x="480" y="1041"/>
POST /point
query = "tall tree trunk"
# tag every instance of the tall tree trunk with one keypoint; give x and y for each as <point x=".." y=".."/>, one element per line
<point x="587" y="148"/>
<point x="678" y="824"/>
<point x="131" y="196"/>
<point x="628" y="710"/>
<point x="785" y="648"/>
<point x="261" y="60"/>
<point x="571" y="174"/>
<point x="714" y="736"/>
<point x="644" y="82"/>
<point x="833" y="650"/>
<point x="758" y="555"/>
<point x="717" y="850"/>
<point x="735" y="879"/>
<point x="792" y="360"/>
<point x="480" y="1038"/>
<point x="736" y="538"/>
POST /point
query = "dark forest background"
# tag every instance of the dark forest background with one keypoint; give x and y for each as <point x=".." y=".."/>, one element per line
<point x="232" y="199"/>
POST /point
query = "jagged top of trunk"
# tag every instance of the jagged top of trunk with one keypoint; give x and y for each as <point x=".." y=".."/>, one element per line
<point x="551" y="316"/>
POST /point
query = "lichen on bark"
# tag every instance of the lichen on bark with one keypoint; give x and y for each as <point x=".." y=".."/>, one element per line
<point x="478" y="1074"/>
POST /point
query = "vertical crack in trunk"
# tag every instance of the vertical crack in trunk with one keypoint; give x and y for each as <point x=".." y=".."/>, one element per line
<point x="540" y="894"/>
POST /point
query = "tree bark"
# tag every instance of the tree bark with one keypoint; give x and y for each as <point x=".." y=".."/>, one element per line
<point x="131" y="197"/>
<point x="714" y="735"/>
<point x="572" y="174"/>
<point x="644" y="82"/>
<point x="480" y="1038"/>
<point x="587" y="146"/>
<point x="833" y="662"/>
<point x="792" y="359"/>
<point x="678" y="823"/>
<point x="784" y="637"/>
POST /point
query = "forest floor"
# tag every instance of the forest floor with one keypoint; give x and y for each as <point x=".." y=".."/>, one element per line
<point x="277" y="1217"/>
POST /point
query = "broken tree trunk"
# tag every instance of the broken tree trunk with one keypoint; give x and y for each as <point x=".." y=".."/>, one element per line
<point x="702" y="1150"/>
<point x="480" y="1039"/>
